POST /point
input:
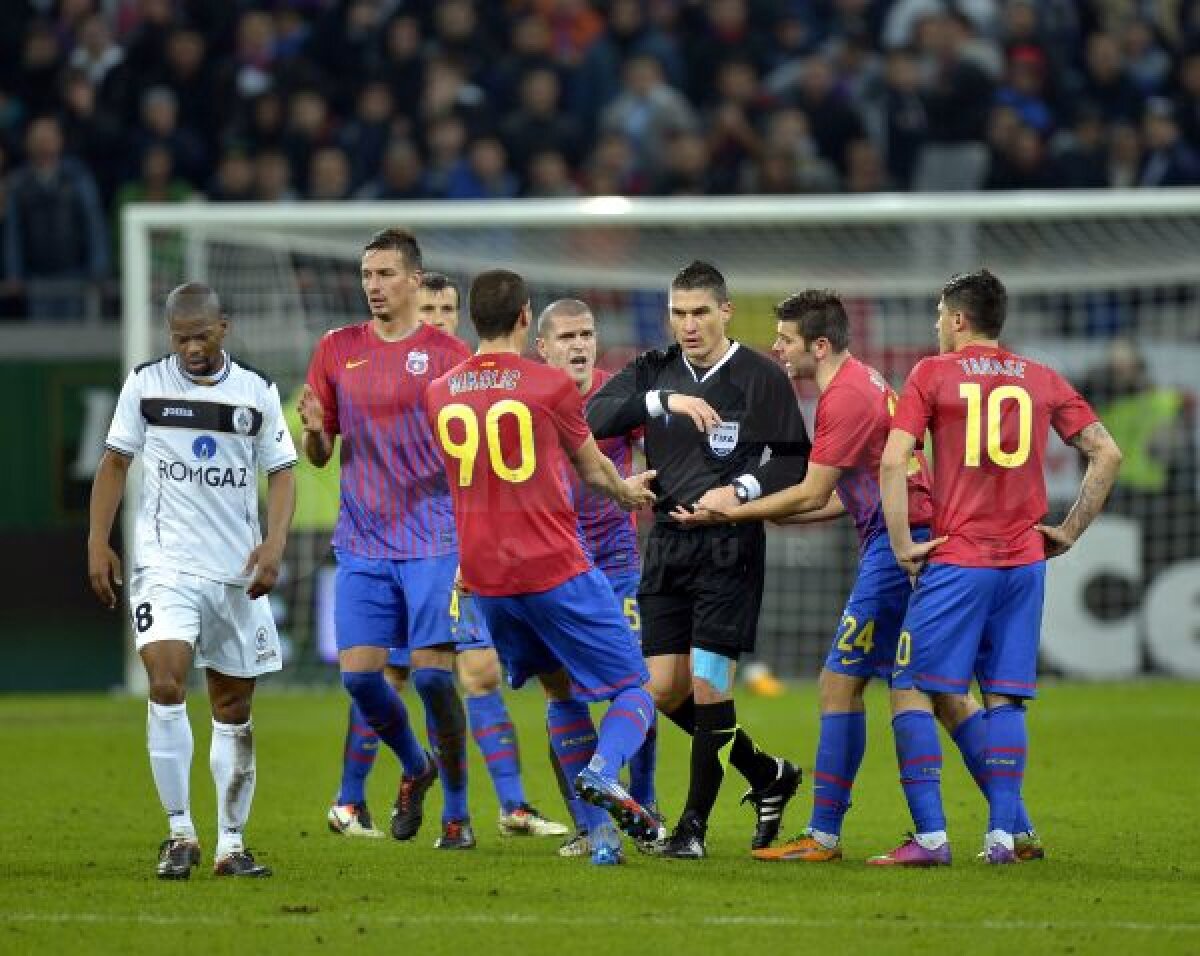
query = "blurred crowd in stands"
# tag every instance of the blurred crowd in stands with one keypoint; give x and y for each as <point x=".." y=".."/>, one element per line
<point x="107" y="102"/>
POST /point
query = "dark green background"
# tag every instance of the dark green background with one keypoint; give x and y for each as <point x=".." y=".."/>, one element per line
<point x="53" y="634"/>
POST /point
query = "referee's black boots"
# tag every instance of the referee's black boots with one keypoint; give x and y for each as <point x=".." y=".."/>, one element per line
<point x="687" y="842"/>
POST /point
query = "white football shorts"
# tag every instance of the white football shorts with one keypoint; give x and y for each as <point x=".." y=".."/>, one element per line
<point x="228" y="631"/>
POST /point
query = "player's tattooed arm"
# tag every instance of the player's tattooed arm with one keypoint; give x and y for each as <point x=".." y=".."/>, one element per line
<point x="1103" y="462"/>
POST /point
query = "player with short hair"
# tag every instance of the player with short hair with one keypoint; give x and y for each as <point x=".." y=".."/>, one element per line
<point x="395" y="541"/>
<point x="976" y="610"/>
<point x="711" y="409"/>
<point x="566" y="339"/>
<point x="851" y="425"/>
<point x="507" y="427"/>
<point x="478" y="667"/>
<point x="204" y="424"/>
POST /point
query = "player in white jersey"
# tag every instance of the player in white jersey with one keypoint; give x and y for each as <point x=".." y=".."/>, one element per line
<point x="204" y="425"/>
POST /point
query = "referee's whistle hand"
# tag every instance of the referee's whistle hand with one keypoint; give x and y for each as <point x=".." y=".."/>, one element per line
<point x="703" y="415"/>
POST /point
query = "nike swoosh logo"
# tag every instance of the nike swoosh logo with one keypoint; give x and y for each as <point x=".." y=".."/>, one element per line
<point x="355" y="363"/>
<point x="847" y="661"/>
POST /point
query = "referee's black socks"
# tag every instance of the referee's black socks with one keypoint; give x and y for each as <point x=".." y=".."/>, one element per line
<point x="712" y="739"/>
<point x="758" y="768"/>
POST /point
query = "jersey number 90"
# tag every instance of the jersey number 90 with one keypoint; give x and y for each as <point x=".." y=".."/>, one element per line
<point x="466" y="451"/>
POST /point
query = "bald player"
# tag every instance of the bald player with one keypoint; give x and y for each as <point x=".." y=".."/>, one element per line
<point x="205" y="425"/>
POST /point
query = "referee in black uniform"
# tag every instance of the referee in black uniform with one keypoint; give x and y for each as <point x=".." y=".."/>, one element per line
<point x="711" y="408"/>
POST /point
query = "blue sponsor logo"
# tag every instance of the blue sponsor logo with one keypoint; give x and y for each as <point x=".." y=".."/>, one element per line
<point x="204" y="447"/>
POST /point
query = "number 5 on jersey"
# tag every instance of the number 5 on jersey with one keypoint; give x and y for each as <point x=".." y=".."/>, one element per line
<point x="466" y="450"/>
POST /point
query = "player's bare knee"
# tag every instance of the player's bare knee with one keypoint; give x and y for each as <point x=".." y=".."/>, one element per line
<point x="712" y="676"/>
<point x="952" y="709"/>
<point x="397" y="677"/>
<point x="840" y="693"/>
<point x="166" y="689"/>
<point x="556" y="684"/>
<point x="479" y="672"/>
<point x="440" y="657"/>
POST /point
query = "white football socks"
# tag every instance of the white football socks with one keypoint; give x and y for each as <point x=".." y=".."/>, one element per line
<point x="232" y="762"/>
<point x="169" y="741"/>
<point x="931" y="840"/>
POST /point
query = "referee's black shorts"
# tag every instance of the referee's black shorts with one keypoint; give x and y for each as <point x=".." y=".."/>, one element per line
<point x="702" y="588"/>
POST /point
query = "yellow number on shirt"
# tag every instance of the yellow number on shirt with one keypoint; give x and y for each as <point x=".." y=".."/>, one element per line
<point x="904" y="649"/>
<point x="467" y="450"/>
<point x="632" y="615"/>
<point x="528" y="459"/>
<point x="973" y="393"/>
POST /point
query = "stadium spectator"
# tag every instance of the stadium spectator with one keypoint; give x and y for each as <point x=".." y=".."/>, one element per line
<point x="1106" y="80"/>
<point x="273" y="177"/>
<point x="234" y="181"/>
<point x="55" y="236"/>
<point x="188" y="73"/>
<point x="834" y="123"/>
<point x="329" y="175"/>
<point x="731" y="128"/>
<point x="548" y="176"/>
<point x="954" y="156"/>
<point x="160" y="126"/>
<point x="647" y="111"/>
<point x="1124" y="156"/>
<point x="91" y="133"/>
<point x="365" y="137"/>
<point x="686" y="171"/>
<point x="1168" y="160"/>
<point x="1154" y="426"/>
<point x="402" y="175"/>
<point x="96" y="53"/>
<point x="1080" y="154"/>
<point x="540" y="123"/>
<point x="865" y="171"/>
<point x="485" y="174"/>
<point x="905" y="124"/>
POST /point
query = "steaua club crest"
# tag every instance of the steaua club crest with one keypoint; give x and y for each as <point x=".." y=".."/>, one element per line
<point x="418" y="363"/>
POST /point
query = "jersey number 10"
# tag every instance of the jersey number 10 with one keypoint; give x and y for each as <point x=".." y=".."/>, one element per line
<point x="467" y="450"/>
<point x="972" y="392"/>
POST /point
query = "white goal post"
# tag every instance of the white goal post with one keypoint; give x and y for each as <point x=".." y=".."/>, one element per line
<point x="1084" y="269"/>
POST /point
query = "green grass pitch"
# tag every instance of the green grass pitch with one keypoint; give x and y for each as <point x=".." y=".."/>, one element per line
<point x="1114" y="786"/>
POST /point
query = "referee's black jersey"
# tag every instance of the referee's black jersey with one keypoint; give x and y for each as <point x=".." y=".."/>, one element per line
<point x="758" y="412"/>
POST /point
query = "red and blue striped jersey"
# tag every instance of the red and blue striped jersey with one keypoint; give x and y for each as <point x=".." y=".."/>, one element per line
<point x="395" y="502"/>
<point x="854" y="414"/>
<point x="608" y="533"/>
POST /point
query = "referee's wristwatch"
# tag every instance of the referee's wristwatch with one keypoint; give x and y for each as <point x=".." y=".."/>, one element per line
<point x="740" y="491"/>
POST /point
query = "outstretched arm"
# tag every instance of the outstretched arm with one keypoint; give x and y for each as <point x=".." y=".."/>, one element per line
<point x="1103" y="463"/>
<point x="108" y="487"/>
<point x="811" y="494"/>
<point x="831" y="510"/>
<point x="601" y="475"/>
